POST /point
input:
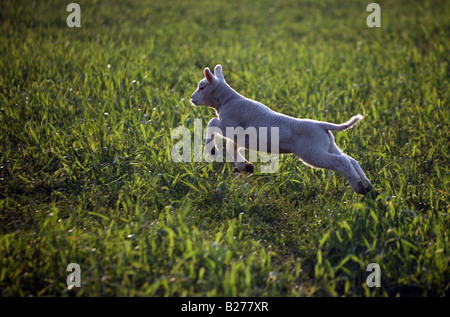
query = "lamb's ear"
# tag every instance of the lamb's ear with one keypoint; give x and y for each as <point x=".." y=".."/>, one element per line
<point x="209" y="76"/>
<point x="218" y="72"/>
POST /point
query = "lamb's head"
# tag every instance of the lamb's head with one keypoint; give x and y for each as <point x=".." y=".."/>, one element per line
<point x="205" y="94"/>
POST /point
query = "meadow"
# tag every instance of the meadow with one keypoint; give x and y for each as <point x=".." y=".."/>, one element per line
<point x="86" y="174"/>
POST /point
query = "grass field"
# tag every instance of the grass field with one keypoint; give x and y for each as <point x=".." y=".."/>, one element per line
<point x="85" y="137"/>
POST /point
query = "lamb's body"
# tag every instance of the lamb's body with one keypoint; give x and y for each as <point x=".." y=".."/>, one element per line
<point x="310" y="140"/>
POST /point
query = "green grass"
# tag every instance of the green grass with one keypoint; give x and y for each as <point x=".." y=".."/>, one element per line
<point x="87" y="176"/>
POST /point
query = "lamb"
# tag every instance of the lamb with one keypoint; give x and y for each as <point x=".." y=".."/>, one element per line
<point x="311" y="140"/>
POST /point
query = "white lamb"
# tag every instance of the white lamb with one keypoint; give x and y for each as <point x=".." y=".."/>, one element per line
<point x="310" y="140"/>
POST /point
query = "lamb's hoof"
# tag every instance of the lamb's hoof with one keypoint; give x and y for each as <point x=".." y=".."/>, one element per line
<point x="249" y="168"/>
<point x="363" y="190"/>
<point x="214" y="151"/>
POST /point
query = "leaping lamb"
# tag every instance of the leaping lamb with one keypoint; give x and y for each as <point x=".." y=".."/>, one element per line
<point x="311" y="140"/>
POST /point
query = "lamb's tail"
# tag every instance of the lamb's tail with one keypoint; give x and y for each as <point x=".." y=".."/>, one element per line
<point x="344" y="126"/>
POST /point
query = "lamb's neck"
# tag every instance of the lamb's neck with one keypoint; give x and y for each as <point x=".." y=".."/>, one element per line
<point x="224" y="95"/>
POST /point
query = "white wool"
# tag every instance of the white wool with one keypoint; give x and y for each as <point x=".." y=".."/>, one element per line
<point x="310" y="140"/>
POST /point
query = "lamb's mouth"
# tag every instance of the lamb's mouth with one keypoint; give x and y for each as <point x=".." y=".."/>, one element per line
<point x="194" y="102"/>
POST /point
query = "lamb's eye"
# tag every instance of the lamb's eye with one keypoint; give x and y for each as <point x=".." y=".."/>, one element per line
<point x="201" y="88"/>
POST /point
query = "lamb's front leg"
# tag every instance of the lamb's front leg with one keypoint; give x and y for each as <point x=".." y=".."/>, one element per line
<point x="239" y="160"/>
<point x="214" y="126"/>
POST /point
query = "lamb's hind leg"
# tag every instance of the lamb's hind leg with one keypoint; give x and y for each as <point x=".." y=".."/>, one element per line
<point x="336" y="162"/>
<point x="364" y="183"/>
